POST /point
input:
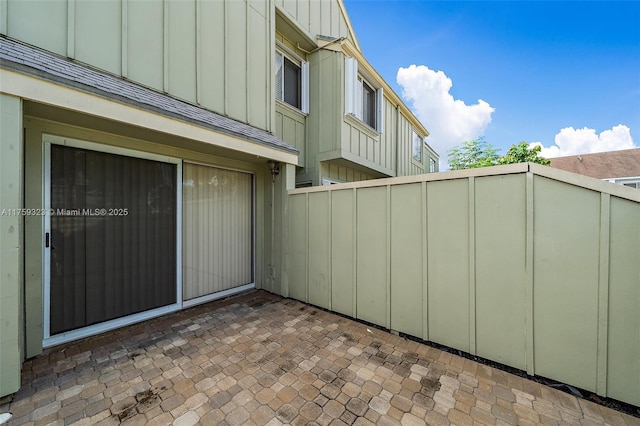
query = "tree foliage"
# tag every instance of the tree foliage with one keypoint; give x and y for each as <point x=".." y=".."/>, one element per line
<point x="473" y="154"/>
<point x="522" y="153"/>
<point x="479" y="153"/>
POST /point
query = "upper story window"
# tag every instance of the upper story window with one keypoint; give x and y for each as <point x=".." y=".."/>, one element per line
<point x="631" y="183"/>
<point x="368" y="113"/>
<point x="362" y="98"/>
<point x="292" y="81"/>
<point x="416" y="147"/>
<point x="432" y="165"/>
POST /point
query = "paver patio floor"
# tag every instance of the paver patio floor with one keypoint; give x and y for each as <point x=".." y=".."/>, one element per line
<point x="260" y="359"/>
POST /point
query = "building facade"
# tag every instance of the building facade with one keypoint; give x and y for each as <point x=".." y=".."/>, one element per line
<point x="146" y="149"/>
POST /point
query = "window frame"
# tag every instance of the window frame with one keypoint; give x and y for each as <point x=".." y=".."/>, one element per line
<point x="417" y="140"/>
<point x="432" y="165"/>
<point x="330" y="181"/>
<point x="632" y="182"/>
<point x="367" y="115"/>
<point x="303" y="81"/>
<point x="355" y="80"/>
<point x="49" y="340"/>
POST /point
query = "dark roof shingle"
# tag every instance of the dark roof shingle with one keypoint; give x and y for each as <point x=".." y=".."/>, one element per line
<point x="33" y="61"/>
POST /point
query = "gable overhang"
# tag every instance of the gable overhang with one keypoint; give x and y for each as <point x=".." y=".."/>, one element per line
<point x="36" y="75"/>
<point x="48" y="93"/>
<point x="290" y="29"/>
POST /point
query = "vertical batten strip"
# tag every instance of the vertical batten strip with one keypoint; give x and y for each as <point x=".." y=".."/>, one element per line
<point x="270" y="98"/>
<point x="603" y="295"/>
<point x="71" y="28"/>
<point x="225" y="56"/>
<point x="472" y="265"/>
<point x="165" y="47"/>
<point x="4" y="17"/>
<point x="198" y="54"/>
<point x="124" y="42"/>
<point x="354" y="268"/>
<point x="330" y="249"/>
<point x="308" y="249"/>
<point x="425" y="262"/>
<point x="247" y="99"/>
<point x="388" y="272"/>
<point x="529" y="278"/>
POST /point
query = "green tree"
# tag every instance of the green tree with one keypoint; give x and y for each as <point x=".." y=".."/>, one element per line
<point x="522" y="153"/>
<point x="473" y="154"/>
<point x="479" y="153"/>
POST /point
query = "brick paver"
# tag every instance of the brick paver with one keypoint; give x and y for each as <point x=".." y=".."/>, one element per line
<point x="260" y="359"/>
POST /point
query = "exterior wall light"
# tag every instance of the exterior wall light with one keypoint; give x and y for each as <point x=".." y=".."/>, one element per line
<point x="274" y="167"/>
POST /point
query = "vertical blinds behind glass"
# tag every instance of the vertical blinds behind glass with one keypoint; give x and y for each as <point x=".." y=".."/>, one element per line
<point x="217" y="250"/>
<point x="113" y="236"/>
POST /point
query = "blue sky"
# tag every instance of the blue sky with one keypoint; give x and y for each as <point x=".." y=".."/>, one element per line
<point x="565" y="74"/>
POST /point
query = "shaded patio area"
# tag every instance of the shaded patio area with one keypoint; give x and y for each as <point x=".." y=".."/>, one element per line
<point x="260" y="359"/>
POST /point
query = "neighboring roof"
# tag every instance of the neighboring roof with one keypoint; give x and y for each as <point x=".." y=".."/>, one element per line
<point x="20" y="57"/>
<point x="602" y="165"/>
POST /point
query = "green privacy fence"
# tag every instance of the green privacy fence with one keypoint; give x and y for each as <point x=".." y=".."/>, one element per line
<point x="525" y="265"/>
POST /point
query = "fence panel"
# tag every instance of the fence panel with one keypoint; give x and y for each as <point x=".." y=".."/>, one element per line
<point x="566" y="257"/>
<point x="406" y="259"/>
<point x="623" y="354"/>
<point x="500" y="226"/>
<point x="372" y="257"/>
<point x="320" y="240"/>
<point x="448" y="262"/>
<point x="298" y="248"/>
<point x="343" y="248"/>
<point x="527" y="266"/>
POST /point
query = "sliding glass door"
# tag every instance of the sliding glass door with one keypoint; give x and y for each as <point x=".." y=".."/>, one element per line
<point x="112" y="240"/>
<point x="217" y="230"/>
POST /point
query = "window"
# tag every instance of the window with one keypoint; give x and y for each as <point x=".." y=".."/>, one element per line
<point x="328" y="182"/>
<point x="416" y="147"/>
<point x="362" y="99"/>
<point x="432" y="165"/>
<point x="631" y="182"/>
<point x="292" y="82"/>
<point x="368" y="114"/>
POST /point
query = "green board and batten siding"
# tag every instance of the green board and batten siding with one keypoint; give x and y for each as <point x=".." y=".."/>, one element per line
<point x="11" y="163"/>
<point x="316" y="17"/>
<point x="290" y="127"/>
<point x="171" y="46"/>
<point x="524" y="265"/>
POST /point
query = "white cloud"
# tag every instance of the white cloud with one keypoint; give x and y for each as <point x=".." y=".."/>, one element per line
<point x="570" y="141"/>
<point x="449" y="121"/>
